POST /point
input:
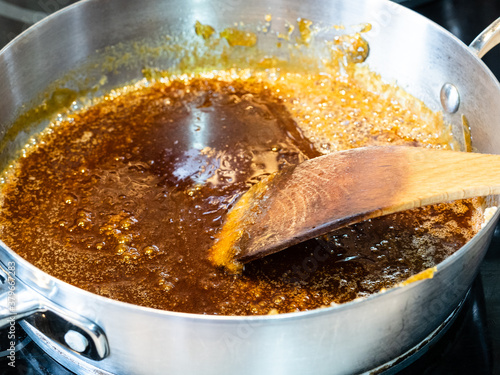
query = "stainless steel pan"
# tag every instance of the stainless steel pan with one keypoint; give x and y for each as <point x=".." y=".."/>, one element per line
<point x="89" y="333"/>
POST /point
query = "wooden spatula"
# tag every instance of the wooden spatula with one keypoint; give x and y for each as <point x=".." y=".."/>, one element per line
<point x="342" y="188"/>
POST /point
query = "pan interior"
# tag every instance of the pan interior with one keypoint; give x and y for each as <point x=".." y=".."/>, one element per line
<point x="122" y="195"/>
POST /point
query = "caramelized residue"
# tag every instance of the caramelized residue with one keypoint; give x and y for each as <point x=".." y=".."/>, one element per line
<point x="236" y="37"/>
<point x="54" y="103"/>
<point x="353" y="48"/>
<point x="205" y="31"/>
<point x="124" y="199"/>
<point x="426" y="274"/>
<point x="245" y="212"/>
<point x="305" y="30"/>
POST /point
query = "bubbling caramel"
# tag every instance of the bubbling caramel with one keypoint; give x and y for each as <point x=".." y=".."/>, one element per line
<point x="124" y="198"/>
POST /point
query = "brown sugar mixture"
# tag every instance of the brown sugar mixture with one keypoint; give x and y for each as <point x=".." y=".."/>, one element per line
<point x="124" y="198"/>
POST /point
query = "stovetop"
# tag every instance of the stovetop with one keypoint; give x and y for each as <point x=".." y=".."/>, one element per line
<point x="470" y="346"/>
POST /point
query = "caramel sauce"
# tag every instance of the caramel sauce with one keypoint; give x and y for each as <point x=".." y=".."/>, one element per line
<point x="124" y="199"/>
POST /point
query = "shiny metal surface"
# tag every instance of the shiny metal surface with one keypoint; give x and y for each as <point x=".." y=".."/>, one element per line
<point x="397" y="364"/>
<point x="337" y="340"/>
<point x="450" y="98"/>
<point x="73" y="363"/>
<point x="488" y="39"/>
<point x="18" y="302"/>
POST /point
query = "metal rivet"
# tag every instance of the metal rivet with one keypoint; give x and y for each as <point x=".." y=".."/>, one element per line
<point x="76" y="341"/>
<point x="450" y="98"/>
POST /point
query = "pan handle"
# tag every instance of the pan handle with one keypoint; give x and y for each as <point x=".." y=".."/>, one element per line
<point x="488" y="39"/>
<point x="20" y="302"/>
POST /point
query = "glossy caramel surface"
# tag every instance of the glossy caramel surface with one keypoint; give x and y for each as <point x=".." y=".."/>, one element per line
<point x="125" y="197"/>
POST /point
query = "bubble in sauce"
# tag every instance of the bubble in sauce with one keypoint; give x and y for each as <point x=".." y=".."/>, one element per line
<point x="127" y="223"/>
<point x="151" y="250"/>
<point x="70" y="198"/>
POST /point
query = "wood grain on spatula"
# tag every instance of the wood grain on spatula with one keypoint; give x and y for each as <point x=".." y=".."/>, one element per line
<point x="342" y="188"/>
